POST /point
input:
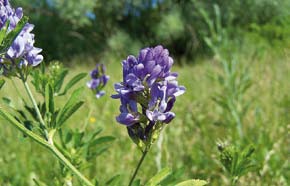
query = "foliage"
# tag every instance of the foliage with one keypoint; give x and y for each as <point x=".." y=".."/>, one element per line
<point x="235" y="82"/>
<point x="237" y="162"/>
<point x="41" y="121"/>
<point x="2" y="82"/>
<point x="92" y="27"/>
<point x="121" y="44"/>
<point x="189" y="146"/>
<point x="53" y="112"/>
<point x="78" y="13"/>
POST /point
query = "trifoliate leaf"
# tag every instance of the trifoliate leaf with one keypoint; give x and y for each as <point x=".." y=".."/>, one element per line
<point x="154" y="181"/>
<point x="192" y="183"/>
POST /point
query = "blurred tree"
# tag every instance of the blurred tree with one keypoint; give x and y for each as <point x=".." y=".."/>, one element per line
<point x="66" y="28"/>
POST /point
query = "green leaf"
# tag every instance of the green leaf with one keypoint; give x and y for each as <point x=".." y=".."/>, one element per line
<point x="2" y="82"/>
<point x="99" y="145"/>
<point x="68" y="137"/>
<point x="8" y="102"/>
<point x="68" y="112"/>
<point x="94" y="134"/>
<point x="14" y="33"/>
<point x="74" y="97"/>
<point x="49" y="99"/>
<point x="136" y="182"/>
<point x="103" y="139"/>
<point x="22" y="114"/>
<point x="71" y="106"/>
<point x="3" y="31"/>
<point x="96" y="182"/>
<point x="39" y="183"/>
<point x="59" y="81"/>
<point x="11" y="119"/>
<point x="73" y="81"/>
<point x="1" y="69"/>
<point x="98" y="151"/>
<point x="174" y="177"/>
<point x="28" y="124"/>
<point x="154" y="181"/>
<point x="192" y="183"/>
<point x="114" y="181"/>
<point x="78" y="138"/>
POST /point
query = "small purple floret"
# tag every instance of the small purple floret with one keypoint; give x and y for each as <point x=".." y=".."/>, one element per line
<point x="98" y="81"/>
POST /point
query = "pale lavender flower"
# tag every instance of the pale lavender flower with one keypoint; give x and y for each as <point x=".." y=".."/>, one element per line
<point x="7" y="13"/>
<point x="98" y="80"/>
<point x="21" y="53"/>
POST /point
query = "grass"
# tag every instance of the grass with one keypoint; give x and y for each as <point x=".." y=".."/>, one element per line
<point x="189" y="142"/>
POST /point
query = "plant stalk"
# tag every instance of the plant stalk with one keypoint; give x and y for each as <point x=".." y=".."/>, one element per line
<point x="138" y="167"/>
<point x="47" y="145"/>
<point x="69" y="165"/>
<point x="42" y="124"/>
<point x="23" y="129"/>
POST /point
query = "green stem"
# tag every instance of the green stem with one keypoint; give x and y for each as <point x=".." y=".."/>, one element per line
<point x="158" y="157"/>
<point x="22" y="128"/>
<point x="138" y="167"/>
<point x="238" y="122"/>
<point x="70" y="166"/>
<point x="87" y="120"/>
<point x="47" y="145"/>
<point x="42" y="124"/>
<point x="234" y="181"/>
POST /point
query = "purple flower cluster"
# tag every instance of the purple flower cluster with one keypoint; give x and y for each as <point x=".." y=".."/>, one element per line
<point x="148" y="91"/>
<point x="8" y="13"/>
<point x="21" y="52"/>
<point x="99" y="80"/>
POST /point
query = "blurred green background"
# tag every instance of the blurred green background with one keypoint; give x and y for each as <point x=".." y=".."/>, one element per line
<point x="69" y="28"/>
<point x="199" y="35"/>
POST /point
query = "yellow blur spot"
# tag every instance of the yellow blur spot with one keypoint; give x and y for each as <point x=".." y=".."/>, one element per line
<point x="92" y="119"/>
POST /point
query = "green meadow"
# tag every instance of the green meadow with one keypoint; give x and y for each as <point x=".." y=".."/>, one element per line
<point x="231" y="126"/>
<point x="188" y="144"/>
